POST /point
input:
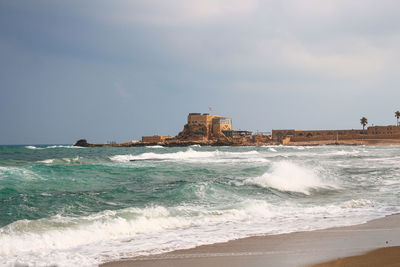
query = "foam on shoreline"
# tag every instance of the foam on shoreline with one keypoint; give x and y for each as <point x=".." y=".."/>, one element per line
<point x="293" y="249"/>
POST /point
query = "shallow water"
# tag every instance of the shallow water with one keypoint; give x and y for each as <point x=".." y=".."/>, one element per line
<point x="83" y="206"/>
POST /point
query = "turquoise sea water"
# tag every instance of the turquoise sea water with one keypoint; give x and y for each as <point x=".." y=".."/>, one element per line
<point x="67" y="206"/>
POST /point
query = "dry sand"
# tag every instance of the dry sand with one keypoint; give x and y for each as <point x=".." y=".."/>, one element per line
<point x="388" y="256"/>
<point x="294" y="249"/>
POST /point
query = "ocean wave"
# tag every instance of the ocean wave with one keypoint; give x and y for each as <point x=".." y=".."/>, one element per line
<point x="357" y="203"/>
<point x="75" y="160"/>
<point x="47" y="161"/>
<point x="290" y="177"/>
<point x="19" y="172"/>
<point x="110" y="235"/>
<point x="192" y="155"/>
<point x="41" y="241"/>
<point x="156" y="146"/>
<point x="50" y="147"/>
<point x="344" y="153"/>
<point x="192" y="205"/>
<point x="62" y="146"/>
<point x="389" y="160"/>
<point x="34" y="147"/>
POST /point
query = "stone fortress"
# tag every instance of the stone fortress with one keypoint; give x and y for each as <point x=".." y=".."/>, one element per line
<point x="208" y="129"/>
<point x="205" y="126"/>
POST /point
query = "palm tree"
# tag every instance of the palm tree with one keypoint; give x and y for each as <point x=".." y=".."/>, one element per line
<point x="363" y="121"/>
<point x="397" y="115"/>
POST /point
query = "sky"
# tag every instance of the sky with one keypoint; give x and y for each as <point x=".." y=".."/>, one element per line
<point x="116" y="70"/>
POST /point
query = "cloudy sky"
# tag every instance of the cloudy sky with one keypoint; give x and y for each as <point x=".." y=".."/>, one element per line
<point x="117" y="70"/>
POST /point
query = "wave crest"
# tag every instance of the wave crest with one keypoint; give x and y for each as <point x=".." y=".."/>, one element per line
<point x="50" y="147"/>
<point x="193" y="155"/>
<point x="66" y="161"/>
<point x="288" y="176"/>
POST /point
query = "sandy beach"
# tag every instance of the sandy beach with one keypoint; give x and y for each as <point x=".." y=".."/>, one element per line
<point x="293" y="249"/>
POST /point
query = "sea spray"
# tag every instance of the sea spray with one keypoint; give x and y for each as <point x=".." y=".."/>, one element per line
<point x="287" y="176"/>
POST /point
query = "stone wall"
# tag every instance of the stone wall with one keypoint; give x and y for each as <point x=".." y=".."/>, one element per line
<point x="154" y="139"/>
<point x="373" y="132"/>
<point x="202" y="119"/>
<point x="221" y="124"/>
<point x="214" y="124"/>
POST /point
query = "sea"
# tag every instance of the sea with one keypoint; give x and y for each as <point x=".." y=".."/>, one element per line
<point x="68" y="206"/>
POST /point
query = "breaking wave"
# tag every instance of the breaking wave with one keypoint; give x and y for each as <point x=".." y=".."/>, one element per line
<point x="156" y="146"/>
<point x="19" y="172"/>
<point x="130" y="232"/>
<point x="34" y="147"/>
<point x="53" y="146"/>
<point x="344" y="153"/>
<point x="50" y="238"/>
<point x="288" y="176"/>
<point x="75" y="160"/>
<point x="192" y="155"/>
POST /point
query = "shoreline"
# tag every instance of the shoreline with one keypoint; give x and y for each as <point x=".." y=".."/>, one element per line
<point x="291" y="249"/>
<point x="366" y="142"/>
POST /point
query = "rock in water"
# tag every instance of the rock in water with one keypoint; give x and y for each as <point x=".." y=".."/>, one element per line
<point x="82" y="143"/>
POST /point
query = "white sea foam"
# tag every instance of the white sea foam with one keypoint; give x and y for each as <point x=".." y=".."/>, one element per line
<point x="19" y="172"/>
<point x="34" y="147"/>
<point x="47" y="161"/>
<point x="75" y="160"/>
<point x="110" y="235"/>
<point x="156" y="146"/>
<point x="39" y="240"/>
<point x="385" y="160"/>
<point x="357" y="203"/>
<point x="193" y="156"/>
<point x="343" y="152"/>
<point x="53" y="146"/>
<point x="61" y="146"/>
<point x="288" y="176"/>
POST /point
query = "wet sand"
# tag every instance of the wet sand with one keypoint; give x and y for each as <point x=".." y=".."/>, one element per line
<point x="294" y="249"/>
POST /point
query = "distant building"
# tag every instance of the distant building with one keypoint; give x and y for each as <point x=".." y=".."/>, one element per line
<point x="214" y="124"/>
<point x="219" y="125"/>
<point x="155" y="139"/>
<point x="373" y="132"/>
<point x="234" y="133"/>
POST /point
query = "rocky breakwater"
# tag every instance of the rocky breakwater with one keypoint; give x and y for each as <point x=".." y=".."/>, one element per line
<point x="84" y="143"/>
